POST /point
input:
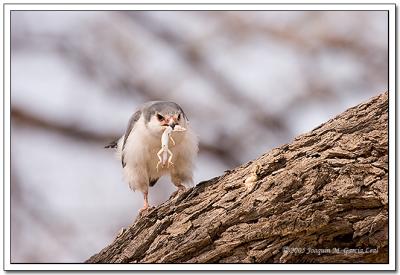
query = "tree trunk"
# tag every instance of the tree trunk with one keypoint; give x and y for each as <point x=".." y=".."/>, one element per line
<point x="321" y="199"/>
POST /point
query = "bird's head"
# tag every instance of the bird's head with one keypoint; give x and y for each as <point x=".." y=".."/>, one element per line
<point x="163" y="113"/>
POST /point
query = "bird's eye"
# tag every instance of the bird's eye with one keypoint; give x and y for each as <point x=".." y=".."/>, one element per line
<point x="179" y="116"/>
<point x="160" y="117"/>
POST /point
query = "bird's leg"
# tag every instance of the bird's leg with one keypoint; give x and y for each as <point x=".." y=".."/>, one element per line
<point x="180" y="186"/>
<point x="146" y="202"/>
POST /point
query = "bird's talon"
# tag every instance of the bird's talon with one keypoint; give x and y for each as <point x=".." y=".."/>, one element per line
<point x="143" y="209"/>
<point x="181" y="188"/>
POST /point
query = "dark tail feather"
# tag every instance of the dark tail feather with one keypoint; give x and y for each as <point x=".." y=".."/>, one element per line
<point x="153" y="182"/>
<point x="112" y="144"/>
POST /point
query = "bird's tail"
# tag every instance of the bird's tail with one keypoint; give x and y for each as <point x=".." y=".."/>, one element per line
<point x="117" y="145"/>
<point x="113" y="144"/>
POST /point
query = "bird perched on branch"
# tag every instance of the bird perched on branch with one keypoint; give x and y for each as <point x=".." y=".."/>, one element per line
<point x="138" y="149"/>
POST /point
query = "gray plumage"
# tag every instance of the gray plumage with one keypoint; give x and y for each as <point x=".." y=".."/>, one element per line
<point x="135" y="117"/>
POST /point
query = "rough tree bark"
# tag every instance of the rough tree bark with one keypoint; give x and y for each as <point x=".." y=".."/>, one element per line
<point x="326" y="191"/>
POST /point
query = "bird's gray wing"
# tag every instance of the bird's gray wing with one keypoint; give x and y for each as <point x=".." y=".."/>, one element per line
<point x="135" y="117"/>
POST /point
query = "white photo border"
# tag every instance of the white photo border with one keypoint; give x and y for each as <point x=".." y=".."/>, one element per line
<point x="178" y="5"/>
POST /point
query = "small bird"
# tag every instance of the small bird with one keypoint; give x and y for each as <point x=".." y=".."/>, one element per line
<point x="138" y="148"/>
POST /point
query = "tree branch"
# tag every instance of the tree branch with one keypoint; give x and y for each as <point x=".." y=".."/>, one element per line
<point x="326" y="190"/>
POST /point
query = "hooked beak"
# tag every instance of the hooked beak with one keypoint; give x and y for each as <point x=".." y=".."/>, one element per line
<point x="170" y="121"/>
<point x="172" y="124"/>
